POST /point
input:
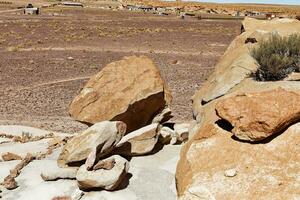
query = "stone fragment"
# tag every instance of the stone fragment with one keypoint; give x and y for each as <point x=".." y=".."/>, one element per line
<point x="10" y="156"/>
<point x="59" y="173"/>
<point x="139" y="142"/>
<point x="230" y="173"/>
<point x="102" y="136"/>
<point x="108" y="179"/>
<point x="107" y="164"/>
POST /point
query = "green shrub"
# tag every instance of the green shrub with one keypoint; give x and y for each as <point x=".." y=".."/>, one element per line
<point x="277" y="57"/>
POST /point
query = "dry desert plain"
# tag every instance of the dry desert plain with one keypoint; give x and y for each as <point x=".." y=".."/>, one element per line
<point x="45" y="60"/>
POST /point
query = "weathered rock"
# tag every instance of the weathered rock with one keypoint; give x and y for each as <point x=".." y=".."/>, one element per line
<point x="105" y="164"/>
<point x="236" y="64"/>
<point x="230" y="172"/>
<point x="163" y="116"/>
<point x="102" y="136"/>
<point x="182" y="131"/>
<point x="9" y="183"/>
<point x="271" y="169"/>
<point x="256" y="116"/>
<point x="139" y="142"/>
<point x="130" y="90"/>
<point x="59" y="173"/>
<point x="10" y="156"/>
<point x="167" y="134"/>
<point x="102" y="178"/>
<point x="77" y="194"/>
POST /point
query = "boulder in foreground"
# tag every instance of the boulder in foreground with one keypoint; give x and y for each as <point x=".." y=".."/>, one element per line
<point x="101" y="138"/>
<point x="256" y="116"/>
<point x="108" y="178"/>
<point x="261" y="171"/>
<point x="130" y="90"/>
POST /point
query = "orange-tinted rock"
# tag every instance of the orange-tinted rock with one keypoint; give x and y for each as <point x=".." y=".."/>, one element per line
<point x="256" y="116"/>
<point x="261" y="171"/>
<point x="130" y="90"/>
<point x="236" y="64"/>
<point x="10" y="156"/>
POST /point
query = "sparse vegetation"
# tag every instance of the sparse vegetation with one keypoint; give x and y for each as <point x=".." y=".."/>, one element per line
<point x="277" y="57"/>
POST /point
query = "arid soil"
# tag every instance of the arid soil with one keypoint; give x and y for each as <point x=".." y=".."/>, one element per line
<point x="46" y="59"/>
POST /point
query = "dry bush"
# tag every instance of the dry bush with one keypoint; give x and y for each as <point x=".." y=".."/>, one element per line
<point x="277" y="57"/>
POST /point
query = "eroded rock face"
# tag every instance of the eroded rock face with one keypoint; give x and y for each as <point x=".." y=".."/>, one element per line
<point x="102" y="137"/>
<point x="236" y="64"/>
<point x="130" y="90"/>
<point x="256" y="116"/>
<point x="262" y="171"/>
<point x="139" y="142"/>
<point x="108" y="179"/>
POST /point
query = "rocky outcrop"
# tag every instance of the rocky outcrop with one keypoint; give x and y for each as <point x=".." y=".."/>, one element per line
<point x="139" y="142"/>
<point x="271" y="169"/>
<point x="236" y="64"/>
<point x="105" y="178"/>
<point x="215" y="165"/>
<point x="130" y="90"/>
<point x="102" y="137"/>
<point x="256" y="116"/>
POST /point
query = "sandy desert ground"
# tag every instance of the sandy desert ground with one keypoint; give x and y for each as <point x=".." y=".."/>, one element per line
<point x="45" y="60"/>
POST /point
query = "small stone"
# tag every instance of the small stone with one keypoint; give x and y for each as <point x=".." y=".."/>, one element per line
<point x="107" y="164"/>
<point x="10" y="156"/>
<point x="9" y="183"/>
<point x="77" y="194"/>
<point x="182" y="131"/>
<point x="230" y="173"/>
<point x="103" y="178"/>
<point x="70" y="58"/>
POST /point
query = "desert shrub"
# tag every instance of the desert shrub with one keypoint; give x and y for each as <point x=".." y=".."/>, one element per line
<point x="277" y="57"/>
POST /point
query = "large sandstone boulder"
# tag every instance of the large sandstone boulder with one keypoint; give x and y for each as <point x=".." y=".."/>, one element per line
<point x="130" y="90"/>
<point x="236" y="64"/>
<point x="215" y="166"/>
<point x="256" y="116"/>
<point x="105" y="178"/>
<point x="139" y="142"/>
<point x="101" y="138"/>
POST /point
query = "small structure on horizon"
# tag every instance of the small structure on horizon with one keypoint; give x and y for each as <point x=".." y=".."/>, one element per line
<point x="66" y="3"/>
<point x="31" y="10"/>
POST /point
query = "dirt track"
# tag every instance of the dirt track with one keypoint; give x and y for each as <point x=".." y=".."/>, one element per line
<point x="38" y="81"/>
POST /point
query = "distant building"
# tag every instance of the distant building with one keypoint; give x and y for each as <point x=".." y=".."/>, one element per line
<point x="271" y="15"/>
<point x="30" y="10"/>
<point x="65" y="3"/>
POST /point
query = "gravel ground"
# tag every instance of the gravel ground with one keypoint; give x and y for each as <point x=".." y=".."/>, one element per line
<point x="38" y="81"/>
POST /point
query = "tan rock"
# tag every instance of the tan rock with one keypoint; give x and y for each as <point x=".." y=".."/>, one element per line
<point x="256" y="116"/>
<point x="262" y="171"/>
<point x="10" y="183"/>
<point x="107" y="164"/>
<point x="167" y="135"/>
<point x="10" y="156"/>
<point x="102" y="136"/>
<point x="139" y="142"/>
<point x="236" y="64"/>
<point x="130" y="90"/>
<point x="58" y="173"/>
<point x="108" y="179"/>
